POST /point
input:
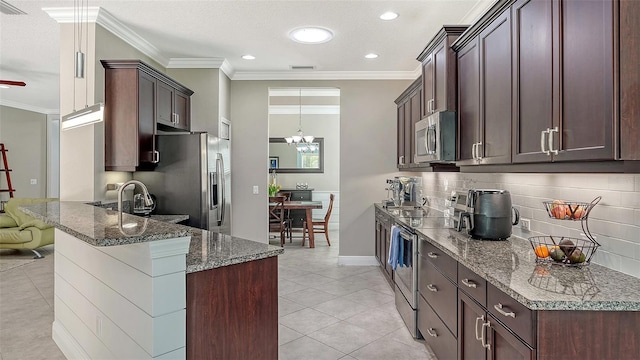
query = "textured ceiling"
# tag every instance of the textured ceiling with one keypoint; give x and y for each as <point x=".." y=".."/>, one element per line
<point x="29" y="44"/>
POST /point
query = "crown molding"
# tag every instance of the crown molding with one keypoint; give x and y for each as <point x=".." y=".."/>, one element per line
<point x="327" y="75"/>
<point x="103" y="18"/>
<point x="27" y="107"/>
<point x="202" y="63"/>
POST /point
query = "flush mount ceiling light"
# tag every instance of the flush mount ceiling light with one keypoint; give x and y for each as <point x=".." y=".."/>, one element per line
<point x="311" y="35"/>
<point x="248" y="57"/>
<point x="371" y="56"/>
<point x="389" y="15"/>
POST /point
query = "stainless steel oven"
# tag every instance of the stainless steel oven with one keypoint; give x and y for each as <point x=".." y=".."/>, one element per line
<point x="406" y="280"/>
<point x="435" y="138"/>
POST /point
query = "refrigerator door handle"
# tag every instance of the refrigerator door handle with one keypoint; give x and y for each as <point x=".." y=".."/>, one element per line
<point x="213" y="191"/>
<point x="220" y="161"/>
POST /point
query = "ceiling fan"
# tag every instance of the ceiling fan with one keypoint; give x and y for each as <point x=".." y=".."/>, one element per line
<point x="12" y="83"/>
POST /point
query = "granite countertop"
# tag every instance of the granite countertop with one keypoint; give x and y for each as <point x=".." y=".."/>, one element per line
<point x="510" y="265"/>
<point x="173" y="219"/>
<point x="99" y="227"/>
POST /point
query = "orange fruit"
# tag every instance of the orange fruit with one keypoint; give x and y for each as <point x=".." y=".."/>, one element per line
<point x="541" y="251"/>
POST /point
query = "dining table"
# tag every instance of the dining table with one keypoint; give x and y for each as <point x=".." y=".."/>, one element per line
<point x="307" y="206"/>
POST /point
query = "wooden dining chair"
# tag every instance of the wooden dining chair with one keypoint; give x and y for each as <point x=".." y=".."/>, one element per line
<point x="276" y="216"/>
<point x="287" y="214"/>
<point x="320" y="225"/>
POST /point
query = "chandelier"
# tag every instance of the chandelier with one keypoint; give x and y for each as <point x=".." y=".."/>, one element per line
<point x="299" y="137"/>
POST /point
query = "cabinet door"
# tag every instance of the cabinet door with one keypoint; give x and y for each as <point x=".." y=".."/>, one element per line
<point x="146" y="118"/>
<point x="505" y="345"/>
<point x="378" y="246"/>
<point x="164" y="104"/>
<point x="468" y="100"/>
<point x="495" y="80"/>
<point x="427" y="84"/>
<point x="470" y="319"/>
<point x="401" y="137"/>
<point x="182" y="105"/>
<point x="533" y="88"/>
<point x="440" y="73"/>
<point x="407" y="133"/>
<point x="586" y="77"/>
<point x="414" y="101"/>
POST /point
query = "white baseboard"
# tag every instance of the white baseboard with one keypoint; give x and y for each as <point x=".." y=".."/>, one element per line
<point x="358" y="261"/>
<point x="67" y="344"/>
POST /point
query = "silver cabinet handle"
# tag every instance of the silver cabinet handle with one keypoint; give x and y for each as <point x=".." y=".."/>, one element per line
<point x="479" y="335"/>
<point x="473" y="151"/>
<point x="551" y="149"/>
<point x="432" y="255"/>
<point x="500" y="308"/>
<point x="433" y="105"/>
<point x="485" y="343"/>
<point x="155" y="156"/>
<point x="401" y="160"/>
<point x="543" y="141"/>
<point x="432" y="288"/>
<point x="177" y="118"/>
<point x="432" y="332"/>
<point x="478" y="156"/>
<point x="469" y="283"/>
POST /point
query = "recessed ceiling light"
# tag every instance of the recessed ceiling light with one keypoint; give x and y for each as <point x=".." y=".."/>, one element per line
<point x="371" y="56"/>
<point x="248" y="57"/>
<point x="389" y="15"/>
<point x="311" y="35"/>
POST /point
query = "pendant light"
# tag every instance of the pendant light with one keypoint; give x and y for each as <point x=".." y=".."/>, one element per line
<point x="90" y="114"/>
<point x="299" y="136"/>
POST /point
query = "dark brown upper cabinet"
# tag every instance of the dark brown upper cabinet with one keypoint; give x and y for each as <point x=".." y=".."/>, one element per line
<point x="409" y="112"/>
<point x="439" y="71"/>
<point x="563" y="95"/>
<point x="135" y="95"/>
<point x="484" y="88"/>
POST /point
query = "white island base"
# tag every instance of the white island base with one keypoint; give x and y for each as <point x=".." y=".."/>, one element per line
<point x="120" y="302"/>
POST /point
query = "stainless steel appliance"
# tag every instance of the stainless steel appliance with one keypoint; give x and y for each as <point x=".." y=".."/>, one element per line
<point x="489" y="214"/>
<point x="435" y="138"/>
<point x="406" y="280"/>
<point x="406" y="191"/>
<point x="193" y="178"/>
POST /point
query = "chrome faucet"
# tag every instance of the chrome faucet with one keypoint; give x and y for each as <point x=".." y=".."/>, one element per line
<point x="148" y="201"/>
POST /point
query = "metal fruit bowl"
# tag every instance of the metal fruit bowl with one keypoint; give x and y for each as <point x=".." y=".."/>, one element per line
<point x="567" y="210"/>
<point x="563" y="250"/>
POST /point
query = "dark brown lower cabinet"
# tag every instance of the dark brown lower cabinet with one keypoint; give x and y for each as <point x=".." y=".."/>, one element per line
<point x="435" y="332"/>
<point x="383" y="233"/>
<point x="481" y="336"/>
<point x="232" y="311"/>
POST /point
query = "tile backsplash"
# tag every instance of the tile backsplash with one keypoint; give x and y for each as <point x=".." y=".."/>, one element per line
<point x="614" y="222"/>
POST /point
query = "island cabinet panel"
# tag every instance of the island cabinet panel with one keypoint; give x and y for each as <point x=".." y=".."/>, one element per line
<point x="533" y="87"/>
<point x="435" y="332"/>
<point x="504" y="345"/>
<point x="232" y="311"/>
<point x="588" y="335"/>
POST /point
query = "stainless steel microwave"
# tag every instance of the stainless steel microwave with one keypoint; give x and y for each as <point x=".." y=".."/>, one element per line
<point x="435" y="138"/>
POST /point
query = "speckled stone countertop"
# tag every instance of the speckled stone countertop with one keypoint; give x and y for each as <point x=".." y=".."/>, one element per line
<point x="99" y="227"/>
<point x="173" y="219"/>
<point x="510" y="266"/>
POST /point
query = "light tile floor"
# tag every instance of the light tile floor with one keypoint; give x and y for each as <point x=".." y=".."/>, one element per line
<point x="326" y="311"/>
<point x="338" y="312"/>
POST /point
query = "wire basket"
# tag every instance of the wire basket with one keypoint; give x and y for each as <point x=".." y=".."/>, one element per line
<point x="563" y="250"/>
<point x="567" y="210"/>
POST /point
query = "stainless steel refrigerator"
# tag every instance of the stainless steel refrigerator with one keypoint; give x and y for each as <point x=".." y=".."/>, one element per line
<point x="193" y="178"/>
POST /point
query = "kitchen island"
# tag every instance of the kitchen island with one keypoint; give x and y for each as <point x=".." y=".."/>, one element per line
<point x="148" y="289"/>
<point x="493" y="298"/>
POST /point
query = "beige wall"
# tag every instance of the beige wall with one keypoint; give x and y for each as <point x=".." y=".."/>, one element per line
<point x="24" y="134"/>
<point x="367" y="155"/>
